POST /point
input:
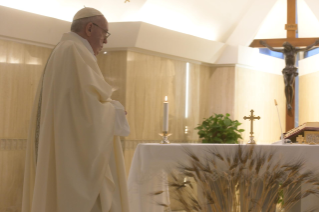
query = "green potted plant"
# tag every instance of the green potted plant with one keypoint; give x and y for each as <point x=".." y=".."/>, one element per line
<point x="219" y="128"/>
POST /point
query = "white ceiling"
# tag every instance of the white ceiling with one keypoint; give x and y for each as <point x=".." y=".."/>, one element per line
<point x="217" y="20"/>
<point x="274" y="24"/>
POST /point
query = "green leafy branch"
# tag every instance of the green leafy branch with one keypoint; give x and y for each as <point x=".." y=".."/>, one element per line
<point x="219" y="129"/>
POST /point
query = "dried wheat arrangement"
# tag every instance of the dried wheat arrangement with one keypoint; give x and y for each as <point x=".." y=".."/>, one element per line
<point x="243" y="181"/>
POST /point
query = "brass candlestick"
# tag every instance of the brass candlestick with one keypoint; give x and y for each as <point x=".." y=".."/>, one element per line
<point x="165" y="136"/>
<point x="251" y="140"/>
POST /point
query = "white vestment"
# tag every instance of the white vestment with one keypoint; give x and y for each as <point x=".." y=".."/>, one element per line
<point x="74" y="160"/>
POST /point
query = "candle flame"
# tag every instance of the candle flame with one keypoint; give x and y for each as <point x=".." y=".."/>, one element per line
<point x="276" y="102"/>
<point x="165" y="98"/>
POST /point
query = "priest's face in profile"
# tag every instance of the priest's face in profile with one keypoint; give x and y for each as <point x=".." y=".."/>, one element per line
<point x="97" y="33"/>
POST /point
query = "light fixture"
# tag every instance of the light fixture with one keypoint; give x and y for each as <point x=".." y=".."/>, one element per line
<point x="187" y="90"/>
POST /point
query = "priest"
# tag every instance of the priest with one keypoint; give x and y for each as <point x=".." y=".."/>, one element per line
<point x="74" y="160"/>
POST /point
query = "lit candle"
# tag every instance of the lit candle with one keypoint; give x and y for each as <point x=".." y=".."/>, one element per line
<point x="165" y="117"/>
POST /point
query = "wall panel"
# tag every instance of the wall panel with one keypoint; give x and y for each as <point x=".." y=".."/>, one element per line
<point x="149" y="80"/>
<point x="256" y="90"/>
<point x="217" y="90"/>
<point x="21" y="66"/>
<point x="211" y="91"/>
<point x="113" y="67"/>
<point x="308" y="98"/>
<point x="12" y="155"/>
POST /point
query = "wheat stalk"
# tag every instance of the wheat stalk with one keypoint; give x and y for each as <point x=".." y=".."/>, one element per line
<point x="249" y="181"/>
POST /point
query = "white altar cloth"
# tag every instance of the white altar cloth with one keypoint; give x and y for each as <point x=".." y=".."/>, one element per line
<point x="151" y="162"/>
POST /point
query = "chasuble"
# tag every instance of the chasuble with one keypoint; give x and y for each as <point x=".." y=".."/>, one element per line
<point x="74" y="159"/>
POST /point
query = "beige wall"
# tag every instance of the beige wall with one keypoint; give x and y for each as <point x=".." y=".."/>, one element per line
<point x="257" y="90"/>
<point x="149" y="79"/>
<point x="12" y="155"/>
<point x="113" y="67"/>
<point x="217" y="90"/>
<point x="146" y="79"/>
<point x="309" y="98"/>
<point x="20" y="68"/>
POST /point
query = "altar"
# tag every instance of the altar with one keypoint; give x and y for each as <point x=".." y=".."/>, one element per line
<point x="152" y="164"/>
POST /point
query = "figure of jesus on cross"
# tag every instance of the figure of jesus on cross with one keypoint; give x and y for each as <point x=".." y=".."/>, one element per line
<point x="290" y="71"/>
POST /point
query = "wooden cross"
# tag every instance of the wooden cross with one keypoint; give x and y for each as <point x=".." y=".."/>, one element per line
<point x="291" y="28"/>
<point x="251" y="118"/>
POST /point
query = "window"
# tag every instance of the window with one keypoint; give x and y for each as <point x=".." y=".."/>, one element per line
<point x="311" y="52"/>
<point x="271" y="53"/>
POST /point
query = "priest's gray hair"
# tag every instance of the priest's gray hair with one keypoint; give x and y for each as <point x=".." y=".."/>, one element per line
<point x="79" y="24"/>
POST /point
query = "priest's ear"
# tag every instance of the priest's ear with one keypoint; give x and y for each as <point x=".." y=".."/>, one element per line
<point x="88" y="29"/>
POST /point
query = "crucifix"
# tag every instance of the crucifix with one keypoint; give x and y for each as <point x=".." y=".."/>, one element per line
<point x="289" y="43"/>
<point x="251" y="119"/>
